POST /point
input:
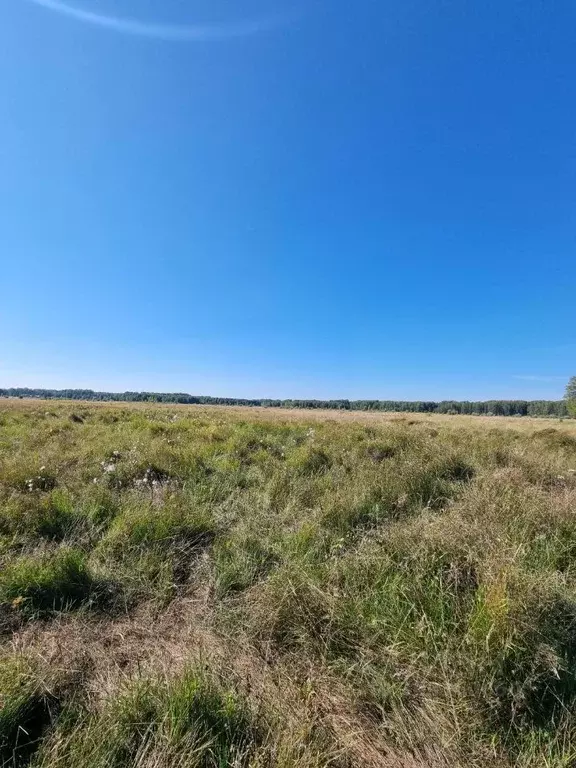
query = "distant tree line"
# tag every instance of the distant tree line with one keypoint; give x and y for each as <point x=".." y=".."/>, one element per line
<point x="477" y="408"/>
<point x="558" y="408"/>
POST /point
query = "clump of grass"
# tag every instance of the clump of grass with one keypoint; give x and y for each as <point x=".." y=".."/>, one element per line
<point x="100" y="506"/>
<point x="156" y="547"/>
<point x="27" y="707"/>
<point x="141" y="474"/>
<point x="555" y="438"/>
<point x="534" y="681"/>
<point x="53" y="516"/>
<point x="193" y="721"/>
<point x="22" y="479"/>
<point x="400" y="488"/>
<point x="378" y="451"/>
<point x="240" y="561"/>
<point x="142" y="524"/>
<point x="309" y="460"/>
<point x="41" y="585"/>
<point x="295" y="610"/>
<point x="57" y="517"/>
<point x="368" y="599"/>
<point x="43" y="482"/>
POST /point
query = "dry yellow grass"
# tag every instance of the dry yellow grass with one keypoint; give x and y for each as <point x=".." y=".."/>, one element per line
<point x="258" y="413"/>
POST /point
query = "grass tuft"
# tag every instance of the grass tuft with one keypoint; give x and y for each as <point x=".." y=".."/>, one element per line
<point x="42" y="585"/>
<point x="27" y="708"/>
<point x="192" y="720"/>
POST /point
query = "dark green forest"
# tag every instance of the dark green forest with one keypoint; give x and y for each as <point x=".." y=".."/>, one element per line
<point x="555" y="408"/>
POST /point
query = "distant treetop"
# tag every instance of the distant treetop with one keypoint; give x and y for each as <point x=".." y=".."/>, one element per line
<point x="570" y="396"/>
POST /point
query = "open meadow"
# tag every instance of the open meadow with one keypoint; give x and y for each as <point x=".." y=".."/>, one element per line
<point x="202" y="587"/>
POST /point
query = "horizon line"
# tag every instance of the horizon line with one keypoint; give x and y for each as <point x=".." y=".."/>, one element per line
<point x="143" y="392"/>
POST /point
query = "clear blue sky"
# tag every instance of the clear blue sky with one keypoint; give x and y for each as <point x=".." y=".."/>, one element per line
<point x="308" y="199"/>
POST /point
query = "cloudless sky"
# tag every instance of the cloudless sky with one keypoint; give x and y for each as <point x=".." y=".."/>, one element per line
<point x="351" y="199"/>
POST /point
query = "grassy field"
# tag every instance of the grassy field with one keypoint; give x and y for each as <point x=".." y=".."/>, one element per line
<point x="207" y="587"/>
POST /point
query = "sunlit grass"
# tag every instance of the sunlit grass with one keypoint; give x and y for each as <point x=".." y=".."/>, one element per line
<point x="412" y="581"/>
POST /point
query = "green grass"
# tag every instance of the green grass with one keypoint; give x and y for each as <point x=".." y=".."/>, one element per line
<point x="49" y="583"/>
<point x="359" y="586"/>
<point x="27" y="708"/>
<point x="192" y="721"/>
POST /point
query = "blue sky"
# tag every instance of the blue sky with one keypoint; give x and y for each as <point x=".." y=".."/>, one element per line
<point x="289" y="199"/>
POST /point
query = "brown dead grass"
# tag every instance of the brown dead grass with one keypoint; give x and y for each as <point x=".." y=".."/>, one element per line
<point x="102" y="655"/>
